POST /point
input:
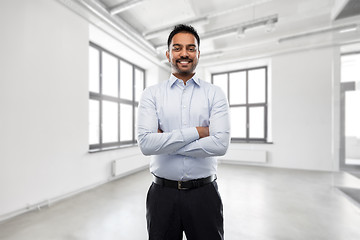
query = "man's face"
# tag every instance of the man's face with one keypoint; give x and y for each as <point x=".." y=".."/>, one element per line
<point x="183" y="54"/>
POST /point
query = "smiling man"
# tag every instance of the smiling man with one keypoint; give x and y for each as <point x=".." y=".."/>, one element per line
<point x="183" y="54"/>
<point x="184" y="124"/>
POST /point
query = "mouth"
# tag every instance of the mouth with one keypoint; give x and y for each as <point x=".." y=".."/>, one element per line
<point x="184" y="61"/>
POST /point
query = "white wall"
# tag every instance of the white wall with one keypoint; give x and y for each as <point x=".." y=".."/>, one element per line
<point x="302" y="110"/>
<point x="303" y="102"/>
<point x="44" y="107"/>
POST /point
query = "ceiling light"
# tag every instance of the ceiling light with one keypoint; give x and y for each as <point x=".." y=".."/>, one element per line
<point x="200" y="20"/>
<point x="241" y="33"/>
<point x="240" y="28"/>
<point x="270" y="26"/>
<point x="234" y="29"/>
<point x="350" y="29"/>
<point x="124" y="6"/>
<point x="266" y="21"/>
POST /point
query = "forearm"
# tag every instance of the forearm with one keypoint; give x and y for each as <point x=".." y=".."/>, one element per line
<point x="215" y="145"/>
<point x="155" y="143"/>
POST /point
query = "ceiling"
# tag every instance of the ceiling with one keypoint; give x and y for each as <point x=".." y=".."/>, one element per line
<point x="233" y="30"/>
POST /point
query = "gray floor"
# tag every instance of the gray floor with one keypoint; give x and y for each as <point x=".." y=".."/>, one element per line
<point x="259" y="203"/>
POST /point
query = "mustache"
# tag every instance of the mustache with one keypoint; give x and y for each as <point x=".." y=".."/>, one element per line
<point x="184" y="58"/>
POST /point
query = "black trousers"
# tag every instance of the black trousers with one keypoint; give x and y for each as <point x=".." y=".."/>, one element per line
<point x="198" y="212"/>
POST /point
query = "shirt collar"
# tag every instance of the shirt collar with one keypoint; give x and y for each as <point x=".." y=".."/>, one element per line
<point x="173" y="79"/>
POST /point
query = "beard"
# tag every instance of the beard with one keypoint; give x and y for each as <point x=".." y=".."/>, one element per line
<point x="184" y="70"/>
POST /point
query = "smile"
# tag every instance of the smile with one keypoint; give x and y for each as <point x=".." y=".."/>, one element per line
<point x="184" y="61"/>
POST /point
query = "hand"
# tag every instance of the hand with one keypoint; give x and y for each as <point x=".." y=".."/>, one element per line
<point x="203" y="131"/>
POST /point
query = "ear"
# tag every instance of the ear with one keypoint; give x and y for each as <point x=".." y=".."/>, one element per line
<point x="199" y="54"/>
<point x="168" y="55"/>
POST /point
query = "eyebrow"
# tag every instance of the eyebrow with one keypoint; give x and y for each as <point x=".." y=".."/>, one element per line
<point x="189" y="45"/>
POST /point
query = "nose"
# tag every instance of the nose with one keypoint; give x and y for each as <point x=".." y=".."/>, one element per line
<point x="184" y="53"/>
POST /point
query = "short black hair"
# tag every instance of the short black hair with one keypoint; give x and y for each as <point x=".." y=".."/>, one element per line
<point x="183" y="28"/>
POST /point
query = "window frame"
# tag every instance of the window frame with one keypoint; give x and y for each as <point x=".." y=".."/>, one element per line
<point x="100" y="97"/>
<point x="248" y="105"/>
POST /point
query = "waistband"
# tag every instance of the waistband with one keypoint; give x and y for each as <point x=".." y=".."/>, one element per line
<point x="184" y="185"/>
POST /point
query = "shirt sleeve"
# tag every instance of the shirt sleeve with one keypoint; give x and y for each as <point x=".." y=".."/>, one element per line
<point x="219" y="128"/>
<point x="150" y="141"/>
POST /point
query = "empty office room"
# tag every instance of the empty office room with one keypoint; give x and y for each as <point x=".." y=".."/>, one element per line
<point x="266" y="119"/>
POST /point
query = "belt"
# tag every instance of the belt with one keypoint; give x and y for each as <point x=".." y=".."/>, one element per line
<point x="184" y="185"/>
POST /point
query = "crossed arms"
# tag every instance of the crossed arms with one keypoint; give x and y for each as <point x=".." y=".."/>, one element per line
<point x="193" y="141"/>
<point x="202" y="131"/>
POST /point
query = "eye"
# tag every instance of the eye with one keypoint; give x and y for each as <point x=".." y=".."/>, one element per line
<point x="176" y="49"/>
<point x="191" y="48"/>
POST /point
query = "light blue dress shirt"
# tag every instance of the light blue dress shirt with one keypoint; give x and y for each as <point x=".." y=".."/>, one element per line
<point x="177" y="109"/>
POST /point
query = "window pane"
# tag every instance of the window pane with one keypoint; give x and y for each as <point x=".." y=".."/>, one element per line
<point x="238" y="122"/>
<point x="257" y="80"/>
<point x="94" y="70"/>
<point x="110" y="122"/>
<point x="237" y="88"/>
<point x="126" y="80"/>
<point x="109" y="75"/>
<point x="126" y="124"/>
<point x="352" y="117"/>
<point x="139" y="84"/>
<point x="350" y="70"/>
<point x="256" y="122"/>
<point x="221" y="81"/>
<point x="94" y="118"/>
<point x="352" y="127"/>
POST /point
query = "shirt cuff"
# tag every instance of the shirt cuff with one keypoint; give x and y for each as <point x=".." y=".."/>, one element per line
<point x="190" y="134"/>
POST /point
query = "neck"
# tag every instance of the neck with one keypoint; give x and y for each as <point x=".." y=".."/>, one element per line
<point x="185" y="77"/>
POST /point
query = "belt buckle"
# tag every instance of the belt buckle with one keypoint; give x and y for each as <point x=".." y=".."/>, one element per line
<point x="180" y="187"/>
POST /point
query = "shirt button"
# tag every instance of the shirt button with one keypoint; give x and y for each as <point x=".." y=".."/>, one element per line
<point x="184" y="106"/>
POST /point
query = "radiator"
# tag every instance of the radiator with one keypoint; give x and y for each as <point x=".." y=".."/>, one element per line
<point x="128" y="165"/>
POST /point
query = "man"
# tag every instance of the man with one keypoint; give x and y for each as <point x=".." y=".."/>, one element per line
<point x="184" y="124"/>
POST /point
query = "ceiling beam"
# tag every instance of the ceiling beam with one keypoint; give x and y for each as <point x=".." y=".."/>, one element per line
<point x="344" y="28"/>
<point x="234" y="29"/>
<point x="118" y="23"/>
<point x="124" y="6"/>
<point x="200" y="20"/>
<point x="161" y="31"/>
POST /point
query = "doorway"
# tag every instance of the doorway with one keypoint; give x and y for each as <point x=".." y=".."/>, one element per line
<point x="350" y="114"/>
<point x="350" y="127"/>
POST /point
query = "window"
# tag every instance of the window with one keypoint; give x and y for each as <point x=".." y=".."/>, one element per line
<point x="246" y="91"/>
<point x="115" y="86"/>
<point x="350" y="71"/>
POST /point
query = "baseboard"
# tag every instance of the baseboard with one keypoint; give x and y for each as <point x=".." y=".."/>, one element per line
<point x="48" y="202"/>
